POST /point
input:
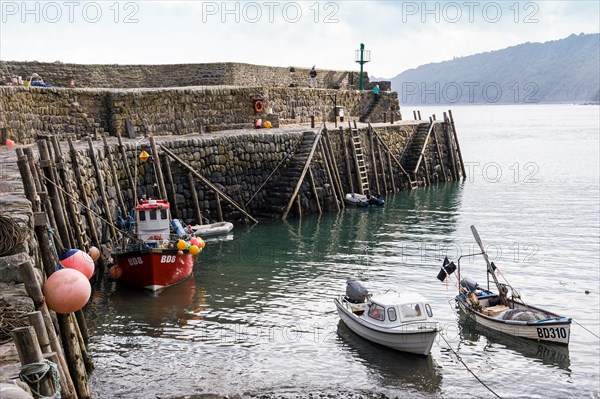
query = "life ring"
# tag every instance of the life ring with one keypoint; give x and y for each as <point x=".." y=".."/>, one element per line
<point x="259" y="106"/>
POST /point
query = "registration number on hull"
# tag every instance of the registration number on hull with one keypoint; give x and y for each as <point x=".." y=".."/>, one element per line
<point x="551" y="332"/>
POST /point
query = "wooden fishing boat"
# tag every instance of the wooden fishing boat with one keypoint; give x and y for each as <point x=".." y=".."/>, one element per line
<point x="153" y="261"/>
<point x="401" y="321"/>
<point x="213" y="229"/>
<point x="499" y="312"/>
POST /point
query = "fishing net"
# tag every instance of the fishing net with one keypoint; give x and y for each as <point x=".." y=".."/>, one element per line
<point x="11" y="318"/>
<point x="12" y="234"/>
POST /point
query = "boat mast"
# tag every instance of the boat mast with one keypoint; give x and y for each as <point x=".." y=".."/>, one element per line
<point x="490" y="270"/>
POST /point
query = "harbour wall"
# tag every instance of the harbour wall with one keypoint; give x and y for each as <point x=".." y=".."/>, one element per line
<point x="179" y="75"/>
<point x="76" y="113"/>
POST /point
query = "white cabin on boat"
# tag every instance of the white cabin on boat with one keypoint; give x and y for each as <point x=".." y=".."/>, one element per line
<point x="153" y="220"/>
<point x="394" y="309"/>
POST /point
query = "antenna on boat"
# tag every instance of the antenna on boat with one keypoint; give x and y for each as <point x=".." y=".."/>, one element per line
<point x="490" y="269"/>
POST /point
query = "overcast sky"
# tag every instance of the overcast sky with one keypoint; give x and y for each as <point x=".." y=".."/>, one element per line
<point x="400" y="34"/>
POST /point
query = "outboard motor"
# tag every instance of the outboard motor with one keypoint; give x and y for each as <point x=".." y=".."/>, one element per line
<point x="469" y="284"/>
<point x="355" y="291"/>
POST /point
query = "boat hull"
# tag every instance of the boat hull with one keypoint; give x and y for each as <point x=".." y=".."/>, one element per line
<point x="554" y="330"/>
<point x="417" y="338"/>
<point x="154" y="269"/>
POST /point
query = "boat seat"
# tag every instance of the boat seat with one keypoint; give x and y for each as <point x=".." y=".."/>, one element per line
<point x="494" y="311"/>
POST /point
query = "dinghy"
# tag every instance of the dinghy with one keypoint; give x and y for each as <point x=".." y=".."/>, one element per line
<point x="499" y="312"/>
<point x="212" y="229"/>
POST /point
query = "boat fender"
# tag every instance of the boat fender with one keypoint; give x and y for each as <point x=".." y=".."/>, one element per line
<point x="178" y="227"/>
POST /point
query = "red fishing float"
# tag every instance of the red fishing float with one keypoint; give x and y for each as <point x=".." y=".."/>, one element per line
<point x="78" y="260"/>
<point x="115" y="272"/>
<point x="94" y="253"/>
<point x="67" y="290"/>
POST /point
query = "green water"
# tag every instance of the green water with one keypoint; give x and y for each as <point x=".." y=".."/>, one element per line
<point x="258" y="315"/>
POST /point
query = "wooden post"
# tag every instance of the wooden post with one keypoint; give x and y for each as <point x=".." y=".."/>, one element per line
<point x="156" y="161"/>
<point x="61" y="191"/>
<point x="195" y="198"/>
<point x="382" y="164"/>
<point x="171" y="186"/>
<point x="115" y="177"/>
<point x="419" y="114"/>
<point x="87" y="359"/>
<point x="462" y="164"/>
<point x="439" y="154"/>
<point x="312" y="121"/>
<point x="74" y="356"/>
<point x="84" y="198"/>
<point x="427" y="181"/>
<point x="330" y="179"/>
<point x="313" y="187"/>
<point x="391" y="169"/>
<point x="207" y="183"/>
<point x="3" y="135"/>
<point x="127" y="170"/>
<point x="299" y="205"/>
<point x="34" y="290"/>
<point x="347" y="160"/>
<point x="373" y="161"/>
<point x="450" y="145"/>
<point x="29" y="352"/>
<point x="385" y="117"/>
<point x="414" y="115"/>
<point x="54" y="194"/>
<point x="391" y="117"/>
<point x="219" y="208"/>
<point x="73" y="212"/>
<point x="334" y="166"/>
<point x="102" y="189"/>
<point x="37" y="322"/>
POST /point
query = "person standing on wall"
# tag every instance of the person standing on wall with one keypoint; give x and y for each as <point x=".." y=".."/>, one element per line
<point x="313" y="77"/>
<point x="375" y="91"/>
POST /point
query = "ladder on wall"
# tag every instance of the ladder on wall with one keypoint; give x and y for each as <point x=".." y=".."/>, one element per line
<point x="359" y="160"/>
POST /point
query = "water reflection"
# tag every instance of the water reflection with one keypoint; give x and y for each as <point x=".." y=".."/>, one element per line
<point x="391" y="368"/>
<point x="554" y="355"/>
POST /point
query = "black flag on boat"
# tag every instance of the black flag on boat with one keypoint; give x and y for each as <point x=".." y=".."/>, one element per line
<point x="493" y="267"/>
<point x="447" y="268"/>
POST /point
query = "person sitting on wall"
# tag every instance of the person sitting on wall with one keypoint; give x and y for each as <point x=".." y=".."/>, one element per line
<point x="36" y="80"/>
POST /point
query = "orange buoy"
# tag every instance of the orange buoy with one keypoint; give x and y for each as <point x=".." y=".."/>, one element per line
<point x="94" y="253"/>
<point x="194" y="250"/>
<point x="115" y="272"/>
<point x="78" y="260"/>
<point x="181" y="244"/>
<point x="180" y="252"/>
<point x="67" y="290"/>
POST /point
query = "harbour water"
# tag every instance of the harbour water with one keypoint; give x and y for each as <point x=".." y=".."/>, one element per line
<point x="258" y="317"/>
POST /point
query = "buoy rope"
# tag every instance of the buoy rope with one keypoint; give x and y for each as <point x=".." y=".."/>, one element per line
<point x="580" y="325"/>
<point x="34" y="373"/>
<point x="467" y="367"/>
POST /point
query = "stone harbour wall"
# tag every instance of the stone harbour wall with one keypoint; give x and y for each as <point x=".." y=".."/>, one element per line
<point x="177" y="75"/>
<point x="28" y="112"/>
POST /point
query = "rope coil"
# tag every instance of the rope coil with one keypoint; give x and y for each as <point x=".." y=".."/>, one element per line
<point x="34" y="373"/>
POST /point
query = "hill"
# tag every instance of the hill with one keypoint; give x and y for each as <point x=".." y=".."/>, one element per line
<point x="565" y="70"/>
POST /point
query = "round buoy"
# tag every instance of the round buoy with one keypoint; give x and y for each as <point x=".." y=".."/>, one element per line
<point x="181" y="245"/>
<point x="194" y="250"/>
<point x="78" y="260"/>
<point x="203" y="243"/>
<point x="180" y="252"/>
<point x="115" y="272"/>
<point x="67" y="290"/>
<point x="267" y="125"/>
<point x="195" y="241"/>
<point x="94" y="253"/>
<point x="10" y="143"/>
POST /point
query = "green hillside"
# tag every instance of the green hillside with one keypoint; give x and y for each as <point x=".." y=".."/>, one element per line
<point x="566" y="70"/>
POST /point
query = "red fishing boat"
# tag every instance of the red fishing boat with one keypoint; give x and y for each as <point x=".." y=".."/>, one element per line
<point x="157" y="259"/>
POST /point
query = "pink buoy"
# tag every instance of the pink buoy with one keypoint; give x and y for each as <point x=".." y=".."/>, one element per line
<point x="67" y="290"/>
<point x="94" y="253"/>
<point x="78" y="260"/>
<point x="115" y="272"/>
<point x="195" y="241"/>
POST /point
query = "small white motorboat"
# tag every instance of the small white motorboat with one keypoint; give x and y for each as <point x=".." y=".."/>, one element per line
<point x="213" y="229"/>
<point x="402" y="321"/>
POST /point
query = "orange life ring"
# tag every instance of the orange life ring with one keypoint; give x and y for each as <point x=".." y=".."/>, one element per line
<point x="259" y="106"/>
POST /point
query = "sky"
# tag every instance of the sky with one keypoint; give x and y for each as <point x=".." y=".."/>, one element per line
<point x="399" y="34"/>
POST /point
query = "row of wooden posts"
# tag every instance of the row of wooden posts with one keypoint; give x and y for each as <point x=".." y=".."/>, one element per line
<point x="57" y="226"/>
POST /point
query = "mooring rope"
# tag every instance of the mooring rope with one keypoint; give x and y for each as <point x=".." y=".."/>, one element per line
<point x="39" y="371"/>
<point x="580" y="325"/>
<point x="11" y="235"/>
<point x="467" y="367"/>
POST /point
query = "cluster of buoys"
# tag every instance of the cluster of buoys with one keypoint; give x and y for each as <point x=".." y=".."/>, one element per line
<point x="194" y="246"/>
<point x="68" y="289"/>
